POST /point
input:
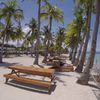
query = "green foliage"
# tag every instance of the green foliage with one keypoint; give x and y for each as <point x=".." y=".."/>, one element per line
<point x="19" y="35"/>
<point x="52" y="48"/>
<point x="52" y="11"/>
<point x="60" y="39"/>
<point x="72" y="35"/>
<point x="32" y="34"/>
<point x="75" y="28"/>
<point x="9" y="12"/>
<point x="46" y="35"/>
<point x="85" y="5"/>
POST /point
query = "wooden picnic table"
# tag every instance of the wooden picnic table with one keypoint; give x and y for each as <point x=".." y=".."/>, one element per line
<point x="34" y="71"/>
<point x="16" y="70"/>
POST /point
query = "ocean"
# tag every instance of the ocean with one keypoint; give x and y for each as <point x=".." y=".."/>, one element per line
<point x="97" y="57"/>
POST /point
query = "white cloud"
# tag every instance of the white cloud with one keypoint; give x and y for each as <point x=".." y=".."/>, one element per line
<point x="25" y="29"/>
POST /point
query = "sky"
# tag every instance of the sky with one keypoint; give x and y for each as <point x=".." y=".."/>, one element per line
<point x="30" y="9"/>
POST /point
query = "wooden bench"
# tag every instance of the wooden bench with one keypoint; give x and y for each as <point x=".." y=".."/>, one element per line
<point x="29" y="81"/>
<point x="15" y="75"/>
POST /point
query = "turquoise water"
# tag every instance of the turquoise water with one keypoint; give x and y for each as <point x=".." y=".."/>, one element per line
<point x="97" y="57"/>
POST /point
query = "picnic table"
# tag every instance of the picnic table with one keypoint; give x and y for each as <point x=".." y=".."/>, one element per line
<point x="17" y="70"/>
<point x="52" y="60"/>
<point x="60" y="65"/>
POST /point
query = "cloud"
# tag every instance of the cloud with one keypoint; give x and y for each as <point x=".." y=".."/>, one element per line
<point x="26" y="29"/>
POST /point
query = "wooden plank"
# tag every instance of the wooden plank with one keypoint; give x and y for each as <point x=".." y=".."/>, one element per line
<point x="45" y="84"/>
<point x="67" y="69"/>
<point x="34" y="71"/>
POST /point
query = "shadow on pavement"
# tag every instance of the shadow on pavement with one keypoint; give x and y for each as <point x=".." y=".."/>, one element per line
<point x="32" y="88"/>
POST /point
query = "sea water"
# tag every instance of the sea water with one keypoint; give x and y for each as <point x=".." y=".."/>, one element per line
<point x="96" y="65"/>
<point x="97" y="57"/>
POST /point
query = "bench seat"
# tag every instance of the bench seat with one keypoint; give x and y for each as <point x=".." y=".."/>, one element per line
<point x="42" y="83"/>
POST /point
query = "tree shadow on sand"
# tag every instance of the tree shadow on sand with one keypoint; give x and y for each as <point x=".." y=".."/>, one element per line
<point x="63" y="74"/>
<point x="6" y="64"/>
<point x="31" y="88"/>
<point x="57" y="78"/>
<point x="93" y="86"/>
<point x="97" y="93"/>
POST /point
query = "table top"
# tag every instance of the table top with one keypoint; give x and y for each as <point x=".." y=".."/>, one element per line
<point x="33" y="70"/>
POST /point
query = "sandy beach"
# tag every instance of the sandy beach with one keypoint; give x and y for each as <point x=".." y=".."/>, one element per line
<point x="66" y="86"/>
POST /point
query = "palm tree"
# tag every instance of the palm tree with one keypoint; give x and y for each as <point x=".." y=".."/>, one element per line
<point x="38" y="32"/>
<point x="80" y="49"/>
<point x="8" y="12"/>
<point x="38" y="41"/>
<point x="18" y="36"/>
<point x="86" y="74"/>
<point x="72" y="38"/>
<point x="79" y="21"/>
<point x="88" y="6"/>
<point x="50" y="13"/>
<point x="9" y="36"/>
<point x="31" y="35"/>
<point x="46" y="40"/>
<point x="83" y="35"/>
<point x="60" y="40"/>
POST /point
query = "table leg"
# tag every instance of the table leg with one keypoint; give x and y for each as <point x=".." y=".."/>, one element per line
<point x="15" y="72"/>
<point x="12" y="72"/>
<point x="6" y="80"/>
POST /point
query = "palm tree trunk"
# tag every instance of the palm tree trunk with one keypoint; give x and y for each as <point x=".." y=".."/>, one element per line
<point x="48" y="43"/>
<point x="86" y="74"/>
<point x="1" y="52"/>
<point x="6" y="49"/>
<point x="50" y="27"/>
<point x="74" y="55"/>
<point x="38" y="41"/>
<point x="32" y="49"/>
<point x="50" y="24"/>
<point x="80" y="50"/>
<point x="18" y="51"/>
<point x="46" y="52"/>
<point x="36" y="53"/>
<point x="82" y="59"/>
<point x="71" y="53"/>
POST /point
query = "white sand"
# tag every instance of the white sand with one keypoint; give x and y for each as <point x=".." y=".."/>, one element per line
<point x="66" y="87"/>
